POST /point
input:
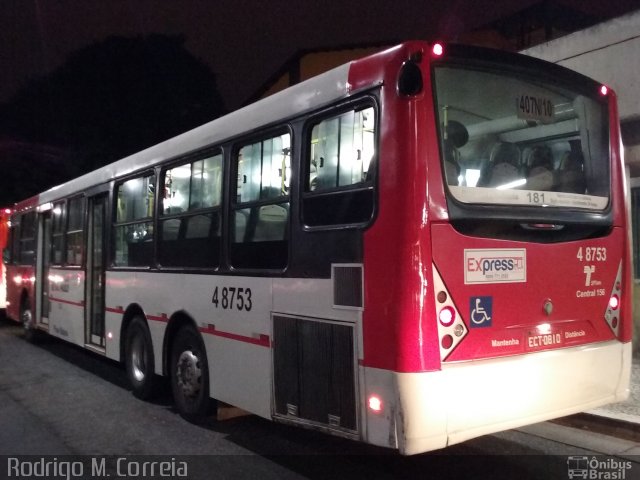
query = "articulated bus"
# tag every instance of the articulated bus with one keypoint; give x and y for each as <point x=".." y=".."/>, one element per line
<point x="414" y="249"/>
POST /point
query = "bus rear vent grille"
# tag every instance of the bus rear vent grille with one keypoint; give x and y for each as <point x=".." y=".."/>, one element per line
<point x="347" y="286"/>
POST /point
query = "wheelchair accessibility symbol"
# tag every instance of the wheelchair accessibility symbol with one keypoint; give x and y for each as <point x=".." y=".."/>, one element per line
<point x="481" y="311"/>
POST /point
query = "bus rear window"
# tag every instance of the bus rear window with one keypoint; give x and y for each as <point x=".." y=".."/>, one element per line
<point x="514" y="140"/>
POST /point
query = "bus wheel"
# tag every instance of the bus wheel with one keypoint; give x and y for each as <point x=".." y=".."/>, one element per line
<point x="190" y="376"/>
<point x="139" y="360"/>
<point x="26" y="319"/>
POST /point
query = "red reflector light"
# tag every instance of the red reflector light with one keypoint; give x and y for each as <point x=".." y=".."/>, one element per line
<point x="447" y="316"/>
<point x="604" y="90"/>
<point x="437" y="49"/>
<point x="614" y="302"/>
<point x="375" y="404"/>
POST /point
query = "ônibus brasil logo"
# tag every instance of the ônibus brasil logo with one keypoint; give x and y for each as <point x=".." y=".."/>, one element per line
<point x="495" y="265"/>
<point x="597" y="468"/>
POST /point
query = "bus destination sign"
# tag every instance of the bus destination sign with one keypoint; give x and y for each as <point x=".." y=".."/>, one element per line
<point x="534" y="107"/>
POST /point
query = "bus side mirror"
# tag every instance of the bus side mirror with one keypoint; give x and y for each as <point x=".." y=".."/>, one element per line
<point x="6" y="255"/>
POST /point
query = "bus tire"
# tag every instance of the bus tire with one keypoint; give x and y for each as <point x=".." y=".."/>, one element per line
<point x="190" y="376"/>
<point x="30" y="332"/>
<point x="139" y="360"/>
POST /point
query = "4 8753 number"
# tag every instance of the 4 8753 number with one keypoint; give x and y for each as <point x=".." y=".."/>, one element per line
<point x="232" y="298"/>
<point x="592" y="254"/>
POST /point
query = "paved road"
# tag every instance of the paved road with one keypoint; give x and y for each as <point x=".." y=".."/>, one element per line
<point x="56" y="399"/>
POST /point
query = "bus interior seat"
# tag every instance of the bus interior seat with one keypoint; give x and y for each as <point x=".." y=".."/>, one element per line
<point x="325" y="174"/>
<point x="241" y="218"/>
<point x="539" y="168"/>
<point x="171" y="229"/>
<point x="571" y="174"/>
<point x="504" y="165"/>
<point x="452" y="171"/>
<point x="271" y="223"/>
<point x="457" y="137"/>
<point x="265" y="223"/>
<point x="198" y="226"/>
<point x="140" y="253"/>
<point x="190" y="241"/>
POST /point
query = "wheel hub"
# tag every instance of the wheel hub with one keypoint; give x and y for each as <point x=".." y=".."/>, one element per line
<point x="189" y="374"/>
<point x="138" y="359"/>
<point x="26" y="319"/>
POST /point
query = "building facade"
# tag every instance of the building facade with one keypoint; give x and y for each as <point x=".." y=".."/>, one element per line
<point x="610" y="53"/>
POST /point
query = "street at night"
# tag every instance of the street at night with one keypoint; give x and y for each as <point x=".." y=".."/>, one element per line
<point x="251" y="240"/>
<point x="59" y="400"/>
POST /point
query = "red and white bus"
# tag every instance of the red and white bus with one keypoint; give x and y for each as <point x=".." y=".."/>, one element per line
<point x="5" y="214"/>
<point x="411" y="250"/>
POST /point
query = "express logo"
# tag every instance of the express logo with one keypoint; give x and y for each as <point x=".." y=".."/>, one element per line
<point x="495" y="265"/>
<point x="485" y="265"/>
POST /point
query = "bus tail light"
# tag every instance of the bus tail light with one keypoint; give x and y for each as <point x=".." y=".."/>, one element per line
<point x="375" y="403"/>
<point x="447" y="316"/>
<point x="614" y="302"/>
<point x="451" y="327"/>
<point x="612" y="315"/>
<point x="437" y="49"/>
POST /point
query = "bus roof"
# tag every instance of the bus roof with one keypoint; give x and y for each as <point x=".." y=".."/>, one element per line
<point x="295" y="100"/>
<point x="310" y="94"/>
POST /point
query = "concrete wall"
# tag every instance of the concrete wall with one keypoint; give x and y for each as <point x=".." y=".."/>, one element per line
<point x="610" y="53"/>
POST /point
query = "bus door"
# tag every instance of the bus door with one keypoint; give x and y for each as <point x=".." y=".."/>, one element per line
<point x="43" y="261"/>
<point x="95" y="275"/>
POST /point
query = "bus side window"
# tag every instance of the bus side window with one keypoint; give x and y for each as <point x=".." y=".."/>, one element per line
<point x="26" y="240"/>
<point x="190" y="217"/>
<point x="133" y="228"/>
<point x="15" y="240"/>
<point x="57" y="234"/>
<point x="339" y="170"/>
<point x="74" y="232"/>
<point x="7" y="253"/>
<point x="261" y="211"/>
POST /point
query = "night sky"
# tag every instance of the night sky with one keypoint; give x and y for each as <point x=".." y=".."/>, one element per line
<point x="243" y="41"/>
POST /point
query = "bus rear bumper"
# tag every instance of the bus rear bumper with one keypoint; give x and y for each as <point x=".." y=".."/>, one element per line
<point x="469" y="399"/>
